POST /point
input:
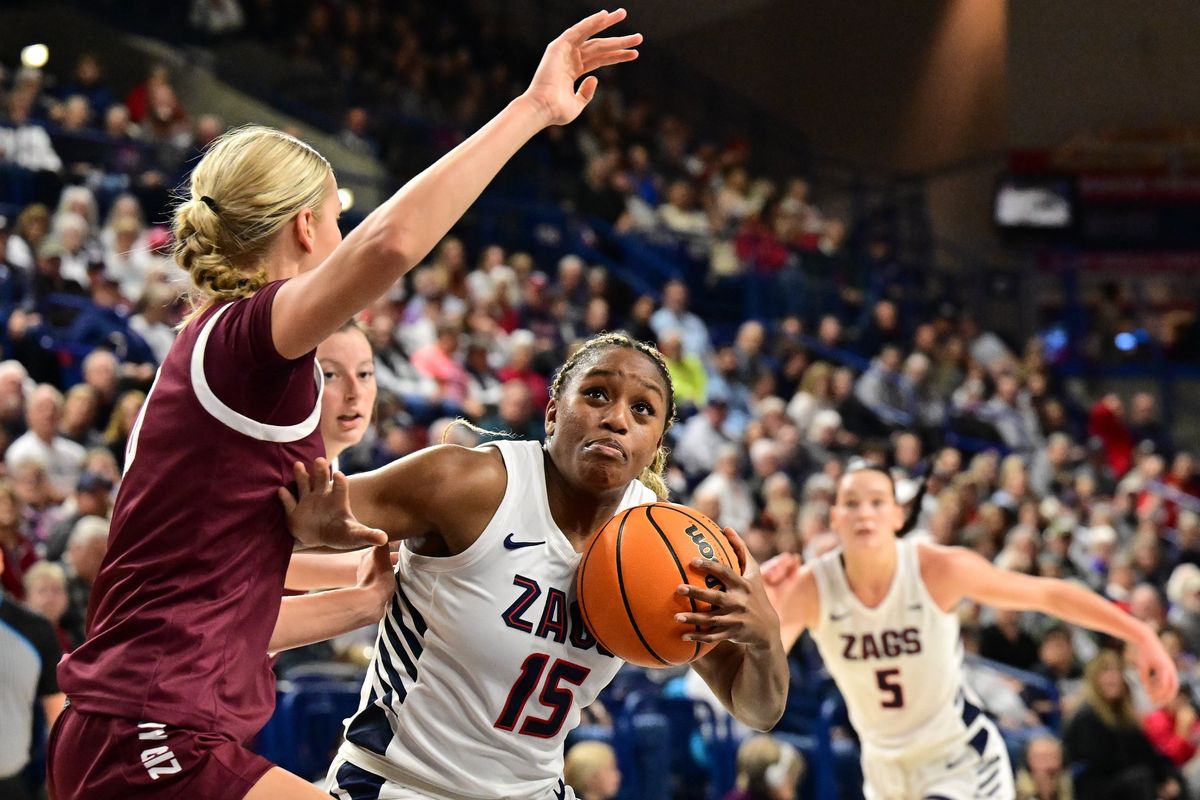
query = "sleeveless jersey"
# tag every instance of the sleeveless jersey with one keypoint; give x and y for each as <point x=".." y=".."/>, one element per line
<point x="482" y="662"/>
<point x="899" y="665"/>
<point x="187" y="597"/>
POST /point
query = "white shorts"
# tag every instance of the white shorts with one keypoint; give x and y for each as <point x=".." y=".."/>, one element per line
<point x="976" y="769"/>
<point x="346" y="781"/>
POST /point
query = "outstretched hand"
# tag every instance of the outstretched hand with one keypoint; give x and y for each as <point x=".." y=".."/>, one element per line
<point x="741" y="613"/>
<point x="1157" y="670"/>
<point x="321" y="516"/>
<point x="571" y="56"/>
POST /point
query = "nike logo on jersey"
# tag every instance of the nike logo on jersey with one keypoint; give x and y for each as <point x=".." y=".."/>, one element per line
<point x="512" y="544"/>
<point x="838" y="617"/>
<point x="561" y="791"/>
<point x="915" y="607"/>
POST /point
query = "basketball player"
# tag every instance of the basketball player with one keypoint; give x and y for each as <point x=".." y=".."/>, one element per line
<point x="174" y="675"/>
<point x="881" y="612"/>
<point x="483" y="662"/>
<point x="361" y="583"/>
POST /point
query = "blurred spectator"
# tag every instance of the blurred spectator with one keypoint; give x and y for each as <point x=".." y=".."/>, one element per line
<point x="1106" y="422"/>
<point x="767" y="769"/>
<point x="61" y="458"/>
<point x="354" y="136"/>
<point x="674" y="316"/>
<point x="24" y="142"/>
<point x="30" y="653"/>
<point x="1103" y="740"/>
<point x="1174" y="730"/>
<point x="687" y="372"/>
<point x="701" y="437"/>
<point x="1145" y="426"/>
<point x="590" y="769"/>
<point x="1005" y="641"/>
<point x="516" y="414"/>
<point x="86" y="548"/>
<point x="216" y="18"/>
<point x="46" y="594"/>
<point x="88" y="81"/>
<point x="1043" y="776"/>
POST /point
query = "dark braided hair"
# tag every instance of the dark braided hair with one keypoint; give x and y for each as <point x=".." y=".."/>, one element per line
<point x="910" y="520"/>
<point x="652" y="476"/>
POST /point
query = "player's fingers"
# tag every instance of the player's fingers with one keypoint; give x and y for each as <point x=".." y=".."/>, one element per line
<point x="609" y="44"/>
<point x="288" y="501"/>
<point x="721" y="572"/>
<point x="594" y="61"/>
<point x="302" y="483"/>
<point x="739" y="547"/>
<point x="341" y="489"/>
<point x="320" y="476"/>
<point x="779" y="568"/>
<point x="587" y="90"/>
<point x="704" y="620"/>
<point x="711" y="596"/>
<point x="588" y="27"/>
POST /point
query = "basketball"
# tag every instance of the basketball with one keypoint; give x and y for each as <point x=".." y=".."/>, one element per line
<point x="627" y="580"/>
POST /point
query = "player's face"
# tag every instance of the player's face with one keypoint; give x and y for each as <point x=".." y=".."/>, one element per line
<point x="349" y="397"/>
<point x="607" y="426"/>
<point x="865" y="513"/>
<point x="326" y="233"/>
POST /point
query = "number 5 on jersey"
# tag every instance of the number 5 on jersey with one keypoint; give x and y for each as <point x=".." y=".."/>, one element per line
<point x="888" y="681"/>
<point x="554" y="695"/>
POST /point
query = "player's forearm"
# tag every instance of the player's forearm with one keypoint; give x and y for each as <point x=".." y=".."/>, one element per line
<point x="759" y="691"/>
<point x="316" y="617"/>
<point x="1080" y="606"/>
<point x="309" y="570"/>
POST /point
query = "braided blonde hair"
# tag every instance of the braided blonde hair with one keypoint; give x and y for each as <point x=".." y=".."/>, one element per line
<point x="249" y="184"/>
<point x="652" y="476"/>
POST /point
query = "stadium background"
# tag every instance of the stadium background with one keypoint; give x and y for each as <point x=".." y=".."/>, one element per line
<point x="957" y="236"/>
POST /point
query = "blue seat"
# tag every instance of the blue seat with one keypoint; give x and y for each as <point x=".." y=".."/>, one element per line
<point x="306" y="728"/>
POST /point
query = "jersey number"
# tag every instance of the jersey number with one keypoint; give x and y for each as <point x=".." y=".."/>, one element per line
<point x="888" y="681"/>
<point x="554" y="695"/>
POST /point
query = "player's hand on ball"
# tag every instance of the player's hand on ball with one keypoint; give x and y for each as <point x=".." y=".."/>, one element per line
<point x="571" y="56"/>
<point x="321" y="516"/>
<point x="741" y="613"/>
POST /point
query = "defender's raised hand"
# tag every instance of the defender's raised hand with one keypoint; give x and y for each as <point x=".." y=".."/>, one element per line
<point x="572" y="55"/>
<point x="321" y="516"/>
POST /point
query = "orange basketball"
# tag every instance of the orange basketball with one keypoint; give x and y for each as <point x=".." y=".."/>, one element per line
<point x="628" y="576"/>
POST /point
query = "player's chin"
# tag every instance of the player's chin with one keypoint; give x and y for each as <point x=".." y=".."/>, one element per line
<point x="603" y="475"/>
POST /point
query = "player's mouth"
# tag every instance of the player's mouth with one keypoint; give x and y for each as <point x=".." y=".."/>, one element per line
<point x="349" y="422"/>
<point x="609" y="448"/>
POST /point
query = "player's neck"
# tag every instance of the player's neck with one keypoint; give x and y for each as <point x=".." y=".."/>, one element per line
<point x="870" y="572"/>
<point x="577" y="514"/>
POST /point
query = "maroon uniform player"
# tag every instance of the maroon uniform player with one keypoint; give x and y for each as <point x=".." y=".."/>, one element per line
<point x="174" y="676"/>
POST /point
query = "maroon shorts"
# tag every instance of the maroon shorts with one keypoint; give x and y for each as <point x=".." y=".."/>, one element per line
<point x="95" y="757"/>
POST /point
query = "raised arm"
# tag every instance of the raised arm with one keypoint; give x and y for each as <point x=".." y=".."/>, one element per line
<point x="402" y="231"/>
<point x="747" y="670"/>
<point x="954" y="573"/>
<point x="445" y="491"/>
<point x="792" y="590"/>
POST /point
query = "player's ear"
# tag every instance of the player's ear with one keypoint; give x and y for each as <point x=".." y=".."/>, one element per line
<point x="306" y="229"/>
<point x="551" y="416"/>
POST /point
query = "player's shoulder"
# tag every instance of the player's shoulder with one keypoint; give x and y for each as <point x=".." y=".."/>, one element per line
<point x="453" y="467"/>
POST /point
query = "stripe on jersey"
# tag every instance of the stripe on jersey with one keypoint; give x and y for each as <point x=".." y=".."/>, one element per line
<point x="418" y="620"/>
<point x="355" y="783"/>
<point x="370" y="728"/>
<point x="240" y="422"/>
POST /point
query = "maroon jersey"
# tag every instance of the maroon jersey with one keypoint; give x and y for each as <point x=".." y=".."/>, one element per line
<point x="183" y="608"/>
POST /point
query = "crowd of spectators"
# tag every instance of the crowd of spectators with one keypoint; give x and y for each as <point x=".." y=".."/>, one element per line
<point x="1010" y="463"/>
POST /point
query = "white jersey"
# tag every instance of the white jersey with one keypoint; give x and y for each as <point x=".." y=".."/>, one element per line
<point x="482" y="663"/>
<point x="899" y="665"/>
